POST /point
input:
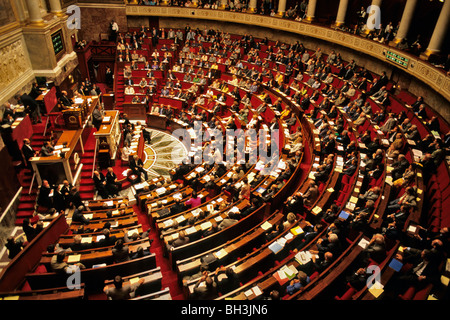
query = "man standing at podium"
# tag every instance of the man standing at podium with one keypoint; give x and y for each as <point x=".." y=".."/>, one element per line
<point x="97" y="117"/>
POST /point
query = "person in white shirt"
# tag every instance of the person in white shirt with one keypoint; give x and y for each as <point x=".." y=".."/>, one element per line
<point x="129" y="90"/>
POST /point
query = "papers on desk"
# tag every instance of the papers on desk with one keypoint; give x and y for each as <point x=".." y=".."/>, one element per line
<point x="266" y="225"/>
<point x="396" y="265"/>
<point x="260" y="190"/>
<point x="167" y="223"/>
<point x="363" y="243"/>
<point x="134" y="280"/>
<point x="88" y="215"/>
<point x="73" y="258"/>
<point x="132" y="231"/>
<point x="138" y="186"/>
<point x="412" y="229"/>
<point x="221" y="253"/>
<point x="180" y="219"/>
<point x="316" y="210"/>
<point x="275" y="247"/>
<point x="303" y="257"/>
<point x="234" y="209"/>
<point x="100" y="237"/>
<point x="160" y="191"/>
<point x="350" y="206"/>
<point x="106" y="119"/>
<point x="290" y="271"/>
<point x="297" y="230"/>
<point x="445" y="280"/>
<point x="189" y="231"/>
<point x="206" y="225"/>
<point x="388" y="180"/>
<point x="417" y="154"/>
<point x="344" y="215"/>
<point x="86" y="240"/>
<point x="108" y="203"/>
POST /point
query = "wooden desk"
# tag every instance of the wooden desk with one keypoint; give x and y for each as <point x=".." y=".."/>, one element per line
<point x="232" y="249"/>
<point x="93" y="278"/>
<point x="152" y="281"/>
<point x="109" y="133"/>
<point x="135" y="111"/>
<point x="220" y="237"/>
<point x="104" y="204"/>
<point x="63" y="165"/>
<point x="156" y="121"/>
<point x="62" y="293"/>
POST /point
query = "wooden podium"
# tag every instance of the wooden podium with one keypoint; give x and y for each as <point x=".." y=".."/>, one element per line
<point x="76" y="115"/>
<point x="65" y="164"/>
<point x="108" y="138"/>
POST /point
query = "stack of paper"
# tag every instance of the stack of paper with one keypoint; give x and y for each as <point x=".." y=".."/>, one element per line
<point x="303" y="257"/>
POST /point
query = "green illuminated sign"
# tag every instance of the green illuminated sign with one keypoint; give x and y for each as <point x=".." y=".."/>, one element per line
<point x="397" y="59"/>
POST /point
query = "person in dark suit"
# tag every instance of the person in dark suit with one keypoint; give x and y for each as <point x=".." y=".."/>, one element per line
<point x="14" y="247"/>
<point x="137" y="166"/>
<point x="31" y="107"/>
<point x="44" y="198"/>
<point x="329" y="244"/>
<point x="100" y="184"/>
<point x="29" y="231"/>
<point x="181" y="240"/>
<point x="28" y="152"/>
<point x="108" y="239"/>
<point x="74" y="198"/>
<point x="226" y="279"/>
<point x="121" y="292"/>
<point x="112" y="184"/>
<point x="424" y="271"/>
<point x="78" y="216"/>
<point x="77" y="245"/>
<point x="311" y="195"/>
<point x="177" y="207"/>
<point x="97" y="117"/>
<point x="207" y="291"/>
<point x="120" y="251"/>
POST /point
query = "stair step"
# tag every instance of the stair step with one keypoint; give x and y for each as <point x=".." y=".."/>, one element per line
<point x="26" y="204"/>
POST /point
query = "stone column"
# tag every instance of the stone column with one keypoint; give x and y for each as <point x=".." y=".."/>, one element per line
<point x="405" y="22"/>
<point x="281" y="7"/>
<point x="55" y="7"/>
<point x="20" y="11"/>
<point x="342" y="11"/>
<point x="34" y="11"/>
<point x="310" y="11"/>
<point x="439" y="33"/>
<point x="252" y="6"/>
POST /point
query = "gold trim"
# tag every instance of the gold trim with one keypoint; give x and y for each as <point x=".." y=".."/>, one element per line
<point x="39" y="23"/>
